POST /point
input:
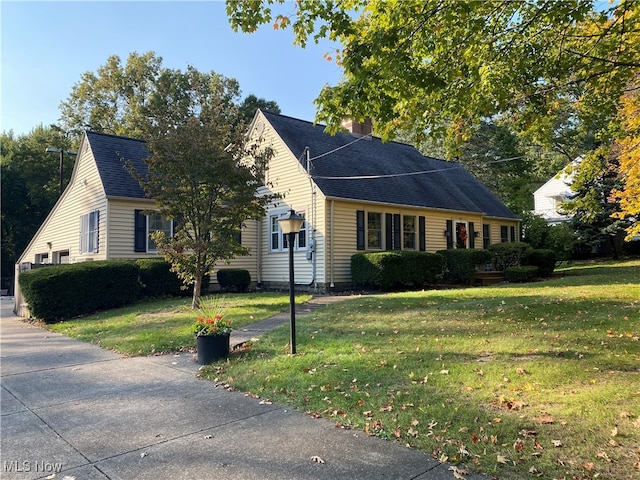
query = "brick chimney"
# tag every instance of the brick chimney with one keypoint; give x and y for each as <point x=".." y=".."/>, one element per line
<point x="358" y="129"/>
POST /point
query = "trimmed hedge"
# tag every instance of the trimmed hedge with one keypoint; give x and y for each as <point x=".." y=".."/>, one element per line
<point x="65" y="291"/>
<point x="509" y="254"/>
<point x="157" y="280"/>
<point x="520" y="274"/>
<point x="460" y="265"/>
<point x="233" y="279"/>
<point x="390" y="270"/>
<point x="542" y="258"/>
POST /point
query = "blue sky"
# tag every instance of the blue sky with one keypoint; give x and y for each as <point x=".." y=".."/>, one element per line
<point x="46" y="46"/>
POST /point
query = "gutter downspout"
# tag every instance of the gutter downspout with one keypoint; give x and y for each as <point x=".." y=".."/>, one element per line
<point x="312" y="221"/>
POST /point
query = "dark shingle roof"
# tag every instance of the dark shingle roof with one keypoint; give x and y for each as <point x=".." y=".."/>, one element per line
<point x="443" y="185"/>
<point x="112" y="155"/>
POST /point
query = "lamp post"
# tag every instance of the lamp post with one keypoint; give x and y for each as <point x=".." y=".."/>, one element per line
<point x="61" y="152"/>
<point x="290" y="224"/>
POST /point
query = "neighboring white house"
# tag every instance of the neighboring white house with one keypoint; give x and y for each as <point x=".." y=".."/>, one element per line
<point x="549" y="197"/>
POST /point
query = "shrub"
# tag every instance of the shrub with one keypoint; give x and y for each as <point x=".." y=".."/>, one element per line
<point x="64" y="291"/>
<point x="157" y="279"/>
<point x="508" y="254"/>
<point x="233" y="279"/>
<point x="542" y="258"/>
<point x="520" y="274"/>
<point x="389" y="270"/>
<point x="459" y="265"/>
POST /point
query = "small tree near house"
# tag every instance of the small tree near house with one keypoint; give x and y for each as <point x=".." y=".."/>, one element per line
<point x="203" y="172"/>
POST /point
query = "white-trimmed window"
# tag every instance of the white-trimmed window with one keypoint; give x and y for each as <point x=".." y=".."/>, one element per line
<point x="280" y="242"/>
<point x="408" y="232"/>
<point x="374" y="230"/>
<point x="89" y="230"/>
<point x="156" y="223"/>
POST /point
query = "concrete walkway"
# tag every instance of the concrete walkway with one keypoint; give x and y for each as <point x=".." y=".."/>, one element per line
<point x="80" y="412"/>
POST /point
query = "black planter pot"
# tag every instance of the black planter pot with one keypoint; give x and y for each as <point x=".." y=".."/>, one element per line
<point x="212" y="347"/>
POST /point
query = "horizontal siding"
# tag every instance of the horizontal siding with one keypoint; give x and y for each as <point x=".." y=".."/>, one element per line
<point x="247" y="262"/>
<point x="62" y="227"/>
<point x="344" y="234"/>
<point x="121" y="228"/>
<point x="287" y="177"/>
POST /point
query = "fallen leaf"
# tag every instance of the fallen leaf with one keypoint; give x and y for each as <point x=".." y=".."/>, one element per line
<point x="444" y="372"/>
<point x="412" y="432"/>
<point x="546" y="420"/>
<point x="614" y="431"/>
<point x="265" y="402"/>
<point x="458" y="473"/>
<point x="207" y="437"/>
<point x="502" y="459"/>
<point x="143" y="454"/>
<point x="557" y="443"/>
<point x="317" y="459"/>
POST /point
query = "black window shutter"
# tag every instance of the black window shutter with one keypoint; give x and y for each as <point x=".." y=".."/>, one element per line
<point x="513" y="234"/>
<point x="388" y="231"/>
<point x="472" y="235"/>
<point x="422" y="234"/>
<point x="397" y="241"/>
<point x="360" y="229"/>
<point x="140" y="232"/>
<point x="449" y="234"/>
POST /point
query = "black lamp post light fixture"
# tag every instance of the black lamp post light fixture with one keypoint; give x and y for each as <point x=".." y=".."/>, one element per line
<point x="290" y="224"/>
<point x="61" y="152"/>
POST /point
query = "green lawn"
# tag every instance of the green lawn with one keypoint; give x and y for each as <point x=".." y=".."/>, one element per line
<point x="163" y="326"/>
<point x="536" y="380"/>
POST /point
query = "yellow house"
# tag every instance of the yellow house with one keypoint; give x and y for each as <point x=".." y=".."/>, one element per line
<point x="357" y="194"/>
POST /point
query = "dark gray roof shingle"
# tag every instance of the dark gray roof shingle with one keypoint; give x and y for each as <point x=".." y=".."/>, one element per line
<point x="112" y="154"/>
<point x="385" y="172"/>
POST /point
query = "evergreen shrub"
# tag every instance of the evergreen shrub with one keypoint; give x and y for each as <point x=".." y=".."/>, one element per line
<point x="157" y="280"/>
<point x="392" y="270"/>
<point x="520" y="273"/>
<point x="459" y="265"/>
<point x="233" y="279"/>
<point x="59" y="292"/>
<point x="542" y="258"/>
<point x="508" y="254"/>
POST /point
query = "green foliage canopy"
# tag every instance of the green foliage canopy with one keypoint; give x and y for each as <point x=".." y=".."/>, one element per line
<point x="443" y="65"/>
<point x="203" y="171"/>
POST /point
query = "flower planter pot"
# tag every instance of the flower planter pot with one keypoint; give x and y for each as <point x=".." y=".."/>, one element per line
<point x="212" y="347"/>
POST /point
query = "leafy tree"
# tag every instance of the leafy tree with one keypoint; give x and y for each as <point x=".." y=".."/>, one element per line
<point x="593" y="204"/>
<point x="540" y="235"/>
<point x="202" y="170"/>
<point x="627" y="149"/>
<point x="445" y="62"/>
<point x="111" y="99"/>
<point x="30" y="186"/>
<point x="116" y="97"/>
<point x="251" y="104"/>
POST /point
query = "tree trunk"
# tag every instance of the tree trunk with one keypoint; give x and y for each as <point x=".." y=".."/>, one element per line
<point x="197" y="287"/>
